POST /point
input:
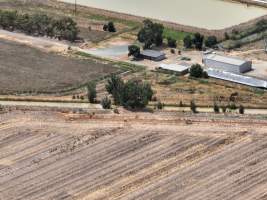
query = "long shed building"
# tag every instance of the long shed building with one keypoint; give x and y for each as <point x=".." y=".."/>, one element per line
<point x="153" y="55"/>
<point x="228" y="64"/>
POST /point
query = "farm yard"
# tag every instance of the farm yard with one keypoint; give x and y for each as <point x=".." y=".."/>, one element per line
<point x="55" y="155"/>
<point x="25" y="69"/>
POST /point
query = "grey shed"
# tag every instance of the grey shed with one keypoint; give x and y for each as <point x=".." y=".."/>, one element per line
<point x="228" y="64"/>
<point x="153" y="55"/>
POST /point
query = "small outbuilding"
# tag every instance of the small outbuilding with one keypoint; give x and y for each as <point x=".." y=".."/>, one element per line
<point x="153" y="55"/>
<point x="180" y="69"/>
<point x="228" y="64"/>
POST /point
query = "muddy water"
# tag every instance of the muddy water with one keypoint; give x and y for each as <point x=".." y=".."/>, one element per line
<point x="209" y="14"/>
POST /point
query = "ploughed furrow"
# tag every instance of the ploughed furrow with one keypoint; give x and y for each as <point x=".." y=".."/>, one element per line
<point x="174" y="159"/>
<point x="203" y="186"/>
<point x="158" y="156"/>
<point x="177" y="180"/>
<point x="72" y="168"/>
<point x="45" y="155"/>
<point x="216" y="184"/>
<point x="87" y="173"/>
<point x="126" y="167"/>
<point x="31" y="157"/>
<point x="65" y="164"/>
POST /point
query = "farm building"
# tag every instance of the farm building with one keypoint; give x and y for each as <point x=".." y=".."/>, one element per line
<point x="237" y="78"/>
<point x="153" y="55"/>
<point x="228" y="64"/>
<point x="181" y="69"/>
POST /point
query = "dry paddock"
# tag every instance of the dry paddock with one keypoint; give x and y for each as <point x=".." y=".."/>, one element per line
<point x="25" y="69"/>
<point x="53" y="155"/>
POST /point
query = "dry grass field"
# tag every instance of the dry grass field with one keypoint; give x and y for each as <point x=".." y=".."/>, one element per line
<point x="172" y="89"/>
<point x="25" y="69"/>
<point x="53" y="155"/>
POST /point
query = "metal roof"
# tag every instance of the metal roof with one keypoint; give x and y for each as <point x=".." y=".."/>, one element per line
<point x="237" y="78"/>
<point x="152" y="53"/>
<point x="225" y="59"/>
<point x="174" y="67"/>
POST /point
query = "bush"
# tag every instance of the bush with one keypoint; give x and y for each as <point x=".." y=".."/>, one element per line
<point x="193" y="107"/>
<point x="40" y="25"/>
<point x="196" y="71"/>
<point x="224" y="108"/>
<point x="241" y="109"/>
<point x="91" y="92"/>
<point x="232" y="106"/>
<point x="132" y="94"/>
<point x="216" y="108"/>
<point x="106" y="103"/>
<point x="171" y="42"/>
<point x="188" y="42"/>
<point x="134" y="51"/>
<point x="151" y="33"/>
<point x="110" y="27"/>
<point x="160" y="105"/>
<point x="198" y="41"/>
<point x="210" y="41"/>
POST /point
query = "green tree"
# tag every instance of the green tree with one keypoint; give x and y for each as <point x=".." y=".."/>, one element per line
<point x="216" y="108"/>
<point x="171" y="42"/>
<point x="66" y="29"/>
<point x="193" y="106"/>
<point x="8" y="19"/>
<point x="241" y="109"/>
<point x="106" y="103"/>
<point x="132" y="94"/>
<point x="111" y="27"/>
<point x="210" y="41"/>
<point x="188" y="42"/>
<point x="134" y="51"/>
<point x="196" y="71"/>
<point x="198" y="41"/>
<point x="91" y="92"/>
<point x="136" y="94"/>
<point x="115" y="87"/>
<point x="151" y="33"/>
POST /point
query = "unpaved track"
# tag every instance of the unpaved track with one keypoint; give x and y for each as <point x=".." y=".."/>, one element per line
<point x="51" y="155"/>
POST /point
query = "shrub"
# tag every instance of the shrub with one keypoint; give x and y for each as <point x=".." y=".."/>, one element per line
<point x="132" y="94"/>
<point x="196" y="71"/>
<point x="106" y="103"/>
<point x="91" y="92"/>
<point x="151" y="33"/>
<point x="134" y="51"/>
<point x="171" y="42"/>
<point x="40" y="25"/>
<point x="187" y="42"/>
<point x="224" y="108"/>
<point x="111" y="27"/>
<point x="216" y="108"/>
<point x="160" y="105"/>
<point x="241" y="109"/>
<point x="198" y="41"/>
<point x="232" y="106"/>
<point x="210" y="41"/>
<point x="193" y="107"/>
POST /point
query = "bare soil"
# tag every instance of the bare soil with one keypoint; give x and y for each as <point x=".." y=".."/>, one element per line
<point x="25" y="69"/>
<point x="54" y="155"/>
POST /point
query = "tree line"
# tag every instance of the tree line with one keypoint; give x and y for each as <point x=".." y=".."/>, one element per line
<point x="39" y="25"/>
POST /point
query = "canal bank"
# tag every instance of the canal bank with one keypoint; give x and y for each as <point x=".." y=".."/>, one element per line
<point x="262" y="3"/>
<point x="232" y="15"/>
